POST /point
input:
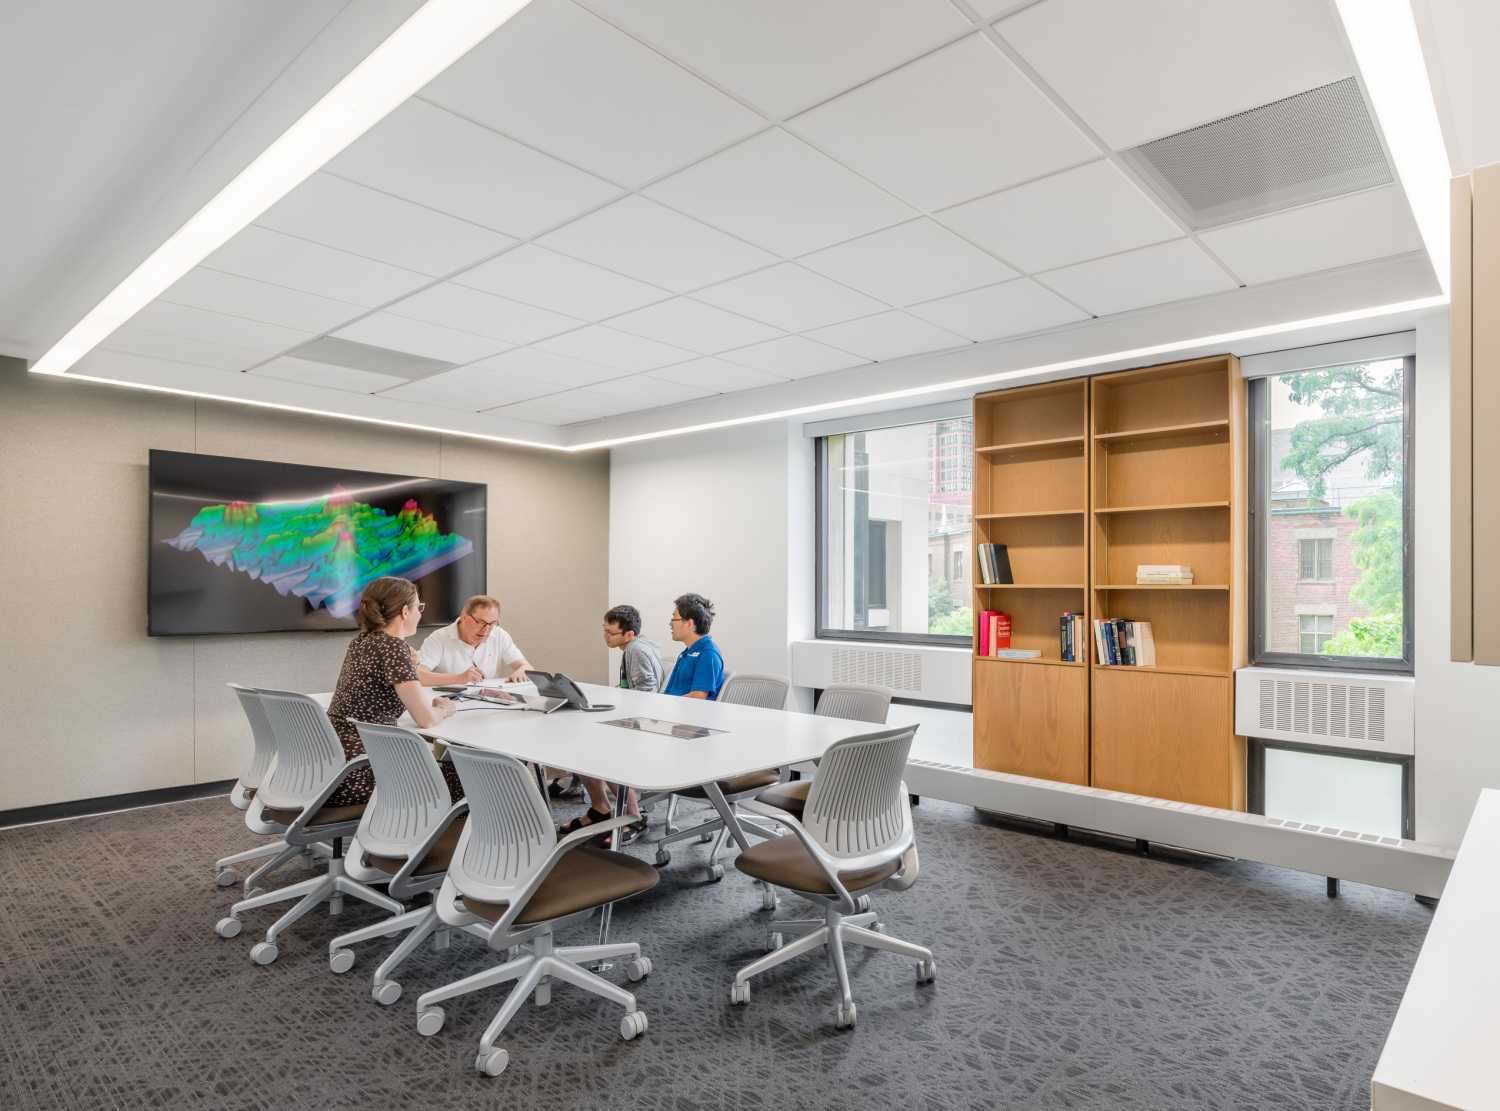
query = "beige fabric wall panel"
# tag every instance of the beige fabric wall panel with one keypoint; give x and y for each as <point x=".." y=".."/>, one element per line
<point x="1486" y="413"/>
<point x="157" y="711"/>
<point x="1461" y="393"/>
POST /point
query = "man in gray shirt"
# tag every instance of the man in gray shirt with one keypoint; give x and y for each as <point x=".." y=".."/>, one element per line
<point x="640" y="670"/>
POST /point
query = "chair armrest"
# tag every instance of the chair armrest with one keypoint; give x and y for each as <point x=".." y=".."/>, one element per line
<point x="397" y="887"/>
<point x="830" y="864"/>
<point x="298" y="832"/>
<point x="561" y="849"/>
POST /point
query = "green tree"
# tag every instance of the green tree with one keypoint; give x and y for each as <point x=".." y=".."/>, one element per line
<point x="958" y="622"/>
<point x="939" y="600"/>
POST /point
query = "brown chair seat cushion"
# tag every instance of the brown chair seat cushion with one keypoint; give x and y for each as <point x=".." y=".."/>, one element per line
<point x="783" y="862"/>
<point x="437" y="859"/>
<point x="586" y="877"/>
<point x="791" y="797"/>
<point x="735" y="786"/>
<point x="329" y="815"/>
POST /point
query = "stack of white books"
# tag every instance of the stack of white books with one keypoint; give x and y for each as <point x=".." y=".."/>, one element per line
<point x="1163" y="574"/>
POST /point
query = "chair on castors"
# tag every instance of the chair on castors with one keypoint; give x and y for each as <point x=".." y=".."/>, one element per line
<point x="409" y="831"/>
<point x="308" y="769"/>
<point x="853" y="701"/>
<point x="855" y="836"/>
<point x="511" y="875"/>
<point x="769" y="692"/>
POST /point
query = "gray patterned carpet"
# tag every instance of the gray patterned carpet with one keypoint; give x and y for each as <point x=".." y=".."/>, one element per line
<point x="1071" y="974"/>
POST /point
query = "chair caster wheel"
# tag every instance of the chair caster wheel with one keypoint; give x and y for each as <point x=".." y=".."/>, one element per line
<point x="263" y="953"/>
<point x="663" y="858"/>
<point x="633" y="1025"/>
<point x="739" y="992"/>
<point x="774" y="941"/>
<point x="342" y="961"/>
<point x="387" y="993"/>
<point x="862" y="903"/>
<point x="430" y="1021"/>
<point x="227" y="927"/>
<point x="254" y="892"/>
<point x="639" y="968"/>
<point x="492" y="1063"/>
<point x="877" y="927"/>
<point x="705" y="838"/>
<point x="926" y="971"/>
<point x="846" y="1016"/>
<point x="226" y="878"/>
<point x="768" y="898"/>
<point x="715" y="872"/>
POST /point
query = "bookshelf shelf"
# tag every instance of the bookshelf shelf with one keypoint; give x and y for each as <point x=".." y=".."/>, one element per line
<point x="1026" y="445"/>
<point x="1113" y="669"/>
<point x="1163" y="431"/>
<point x="1161" y="508"/>
<point x="1032" y="660"/>
<point x="1031" y="513"/>
<point x="1159" y="586"/>
<point x="1029" y="586"/>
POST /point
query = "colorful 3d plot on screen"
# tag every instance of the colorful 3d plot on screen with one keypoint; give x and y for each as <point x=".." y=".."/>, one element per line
<point x="324" y="551"/>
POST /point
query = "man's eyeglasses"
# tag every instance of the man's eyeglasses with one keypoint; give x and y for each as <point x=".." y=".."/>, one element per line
<point x="482" y="624"/>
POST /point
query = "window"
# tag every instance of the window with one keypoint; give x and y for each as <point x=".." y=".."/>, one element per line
<point x="894" y="503"/>
<point x="1330" y="471"/>
<point x="1331" y="787"/>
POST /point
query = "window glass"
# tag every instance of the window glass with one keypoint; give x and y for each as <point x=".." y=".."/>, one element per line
<point x="896" y="509"/>
<point x="1335" y="550"/>
<point x="1340" y="791"/>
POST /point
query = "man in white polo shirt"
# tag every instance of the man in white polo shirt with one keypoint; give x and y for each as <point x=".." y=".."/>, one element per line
<point x="472" y="649"/>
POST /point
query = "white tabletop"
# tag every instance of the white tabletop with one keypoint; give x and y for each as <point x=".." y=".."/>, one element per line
<point x="579" y="742"/>
<point x="1441" y="1051"/>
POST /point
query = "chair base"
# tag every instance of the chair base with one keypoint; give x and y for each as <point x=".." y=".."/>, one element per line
<point x="831" y="933"/>
<point x="422" y="924"/>
<point x="330" y="888"/>
<point x="279" y="850"/>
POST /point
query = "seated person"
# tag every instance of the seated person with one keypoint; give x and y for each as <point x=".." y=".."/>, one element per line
<point x="699" y="670"/>
<point x="472" y="649"/>
<point x="379" y="681"/>
<point x="640" y="670"/>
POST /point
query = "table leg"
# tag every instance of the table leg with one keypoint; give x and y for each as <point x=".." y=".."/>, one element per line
<point x="721" y="804"/>
<point x="622" y="793"/>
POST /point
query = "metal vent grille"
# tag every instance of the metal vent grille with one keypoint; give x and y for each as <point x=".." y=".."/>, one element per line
<point x="1308" y="147"/>
<point x="1334" y="710"/>
<point x="901" y="671"/>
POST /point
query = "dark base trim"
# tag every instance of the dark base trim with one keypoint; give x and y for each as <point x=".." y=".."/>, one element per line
<point x="961" y="707"/>
<point x="109" y="804"/>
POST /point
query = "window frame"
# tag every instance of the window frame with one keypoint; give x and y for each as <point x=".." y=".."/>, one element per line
<point x="1256" y="557"/>
<point x="820" y="577"/>
<point x="1255" y="754"/>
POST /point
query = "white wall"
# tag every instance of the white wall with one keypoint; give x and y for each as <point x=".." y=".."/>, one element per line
<point x="726" y="514"/>
<point x="1458" y="738"/>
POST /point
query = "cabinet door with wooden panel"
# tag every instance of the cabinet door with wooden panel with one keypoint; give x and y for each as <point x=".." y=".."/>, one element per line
<point x="1032" y="720"/>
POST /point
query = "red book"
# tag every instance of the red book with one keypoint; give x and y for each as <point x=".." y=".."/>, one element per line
<point x="1002" y="631"/>
<point x="984" y="632"/>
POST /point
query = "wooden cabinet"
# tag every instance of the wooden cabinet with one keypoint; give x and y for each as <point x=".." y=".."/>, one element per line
<point x="1032" y="719"/>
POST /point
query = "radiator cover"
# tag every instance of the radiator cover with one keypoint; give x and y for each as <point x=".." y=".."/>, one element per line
<point x="1341" y="710"/>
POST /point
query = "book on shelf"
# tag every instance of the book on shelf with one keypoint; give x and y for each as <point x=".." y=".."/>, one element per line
<point x="994" y="632"/>
<point x="994" y="565"/>
<point x="1122" y="643"/>
<point x="1070" y="636"/>
<point x="1163" y="574"/>
<point x="1017" y="653"/>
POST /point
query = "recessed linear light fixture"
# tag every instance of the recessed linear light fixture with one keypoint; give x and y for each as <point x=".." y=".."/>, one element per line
<point x="893" y="395"/>
<point x="436" y="36"/>
<point x="1383" y="36"/>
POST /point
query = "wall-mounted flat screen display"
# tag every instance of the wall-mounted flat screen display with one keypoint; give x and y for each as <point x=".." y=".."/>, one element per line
<point x="248" y="546"/>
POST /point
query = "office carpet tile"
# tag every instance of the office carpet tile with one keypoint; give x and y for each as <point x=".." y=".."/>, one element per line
<point x="1072" y="974"/>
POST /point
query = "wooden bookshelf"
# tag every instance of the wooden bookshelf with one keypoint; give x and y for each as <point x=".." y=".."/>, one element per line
<point x="1031" y="482"/>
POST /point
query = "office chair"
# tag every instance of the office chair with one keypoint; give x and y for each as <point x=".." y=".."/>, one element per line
<point x="243" y="798"/>
<point x="513" y="877"/>
<point x="308" y="769"/>
<point x="409" y="831"/>
<point x="855" y="836"/>
<point x="854" y="701"/>
<point x="770" y="693"/>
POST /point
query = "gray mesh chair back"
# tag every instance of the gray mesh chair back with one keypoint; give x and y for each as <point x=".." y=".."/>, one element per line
<point x="856" y="807"/>
<point x="308" y="752"/>
<point x="260" y="730"/>
<point x="766" y="691"/>
<point x="411" y="797"/>
<point x="855" y="702"/>
<point x="509" y="834"/>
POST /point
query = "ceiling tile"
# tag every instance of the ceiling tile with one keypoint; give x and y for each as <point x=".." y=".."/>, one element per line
<point x="960" y="122"/>
<point x="645" y="391"/>
<point x="989" y="9"/>
<point x="1140" y="71"/>
<point x="693" y="325"/>
<point x="538" y="276"/>
<point x="470" y="389"/>
<point x="325" y="374"/>
<point x="596" y="405"/>
<point x="253" y="300"/>
<point x="888" y="335"/>
<point x="363" y="221"/>
<point x="216" y="327"/>
<point x="430" y="156"/>
<point x="470" y="310"/>
<point x="1339" y="232"/>
<point x="270" y="256"/>
<point x="179" y="349"/>
<point x="784" y="55"/>
<point x="1150" y="276"/>
<point x="566" y="82"/>
<point x="607" y="347"/>
<point x="534" y="365"/>
<point x="417" y="337"/>
<point x="1079" y="214"/>
<point x="543" y="410"/>
<point x="641" y="238"/>
<point x="780" y="194"/>
<point x="790" y="298"/>
<point x="999" y="310"/>
<point x="793" y="357"/>
<point x="916" y="261"/>
<point x="716" y="376"/>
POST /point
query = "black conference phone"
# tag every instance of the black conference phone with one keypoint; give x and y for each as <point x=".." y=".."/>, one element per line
<point x="560" y="686"/>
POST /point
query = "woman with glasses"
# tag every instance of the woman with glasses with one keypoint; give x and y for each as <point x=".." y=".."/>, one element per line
<point x="472" y="649"/>
<point x="378" y="682"/>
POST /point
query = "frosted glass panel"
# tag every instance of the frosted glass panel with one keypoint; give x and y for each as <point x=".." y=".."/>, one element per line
<point x="1363" y="795"/>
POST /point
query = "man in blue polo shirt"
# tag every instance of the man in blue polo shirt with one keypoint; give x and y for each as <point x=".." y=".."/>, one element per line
<point x="699" y="670"/>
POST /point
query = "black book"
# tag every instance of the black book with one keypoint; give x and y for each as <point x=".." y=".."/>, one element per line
<point x="1000" y="563"/>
